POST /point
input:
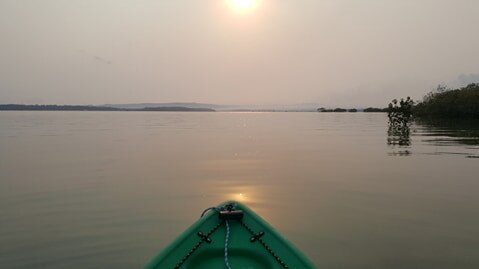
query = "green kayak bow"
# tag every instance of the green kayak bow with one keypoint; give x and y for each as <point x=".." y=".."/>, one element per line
<point x="230" y="236"/>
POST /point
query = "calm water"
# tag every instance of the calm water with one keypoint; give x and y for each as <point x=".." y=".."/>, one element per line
<point x="110" y="189"/>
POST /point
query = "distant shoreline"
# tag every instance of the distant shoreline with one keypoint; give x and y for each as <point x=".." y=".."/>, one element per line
<point x="108" y="108"/>
<point x="16" y="107"/>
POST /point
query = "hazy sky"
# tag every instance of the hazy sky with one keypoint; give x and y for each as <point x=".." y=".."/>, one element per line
<point x="333" y="52"/>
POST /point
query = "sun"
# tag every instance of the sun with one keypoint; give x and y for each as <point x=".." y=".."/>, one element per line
<point x="243" y="5"/>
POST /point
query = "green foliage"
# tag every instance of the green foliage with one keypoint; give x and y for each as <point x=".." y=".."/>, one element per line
<point x="447" y="103"/>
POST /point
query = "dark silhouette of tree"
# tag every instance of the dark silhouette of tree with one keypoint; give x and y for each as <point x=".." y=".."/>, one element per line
<point x="448" y="103"/>
<point x="400" y="116"/>
<point x="400" y="113"/>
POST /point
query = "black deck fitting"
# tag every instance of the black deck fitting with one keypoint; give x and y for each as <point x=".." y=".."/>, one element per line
<point x="231" y="215"/>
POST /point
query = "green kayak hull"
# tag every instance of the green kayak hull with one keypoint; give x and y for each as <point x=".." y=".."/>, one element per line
<point x="251" y="244"/>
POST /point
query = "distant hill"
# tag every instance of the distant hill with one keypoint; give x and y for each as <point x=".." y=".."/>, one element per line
<point x="307" y="107"/>
<point x="157" y="105"/>
<point x="19" y="107"/>
<point x="16" y="107"/>
<point x="174" y="108"/>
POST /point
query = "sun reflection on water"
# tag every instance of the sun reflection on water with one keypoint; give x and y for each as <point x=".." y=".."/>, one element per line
<point x="241" y="194"/>
<point x="240" y="197"/>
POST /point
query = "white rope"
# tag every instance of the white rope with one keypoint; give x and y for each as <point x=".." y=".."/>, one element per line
<point x="227" y="264"/>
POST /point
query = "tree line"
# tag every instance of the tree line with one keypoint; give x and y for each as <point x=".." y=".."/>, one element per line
<point x="450" y="103"/>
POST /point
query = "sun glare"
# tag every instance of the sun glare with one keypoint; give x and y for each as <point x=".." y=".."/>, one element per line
<point x="243" y="5"/>
<point x="240" y="197"/>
